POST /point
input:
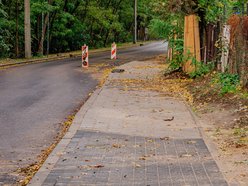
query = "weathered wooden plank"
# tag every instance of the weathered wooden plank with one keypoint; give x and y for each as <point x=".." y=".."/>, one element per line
<point x="191" y="42"/>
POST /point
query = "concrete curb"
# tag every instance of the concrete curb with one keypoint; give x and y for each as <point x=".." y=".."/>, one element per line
<point x="211" y="146"/>
<point x="52" y="159"/>
<point x="51" y="59"/>
<point x="34" y="61"/>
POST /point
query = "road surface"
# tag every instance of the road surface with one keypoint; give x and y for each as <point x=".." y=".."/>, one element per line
<point x="35" y="99"/>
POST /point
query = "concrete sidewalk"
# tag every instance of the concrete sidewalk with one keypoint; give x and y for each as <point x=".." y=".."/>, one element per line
<point x="131" y="137"/>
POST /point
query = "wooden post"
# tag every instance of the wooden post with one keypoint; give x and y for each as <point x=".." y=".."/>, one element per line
<point x="225" y="42"/>
<point x="191" y="42"/>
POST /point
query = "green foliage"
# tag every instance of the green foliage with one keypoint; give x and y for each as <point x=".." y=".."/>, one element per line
<point x="200" y="69"/>
<point x="240" y="132"/>
<point x="159" y="28"/>
<point x="239" y="6"/>
<point x="169" y="24"/>
<point x="39" y="7"/>
<point x="4" y="32"/>
<point x="178" y="57"/>
<point x="182" y="6"/>
<point x="209" y="10"/>
<point x="72" y="23"/>
<point x="228" y="83"/>
<point x="212" y="9"/>
<point x="100" y="22"/>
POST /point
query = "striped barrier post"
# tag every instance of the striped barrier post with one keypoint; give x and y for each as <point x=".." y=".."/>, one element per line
<point x="113" y="51"/>
<point x="85" y="56"/>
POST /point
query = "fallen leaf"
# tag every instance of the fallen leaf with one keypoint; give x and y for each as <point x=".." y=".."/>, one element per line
<point x="185" y="155"/>
<point x="150" y="141"/>
<point x="191" y="142"/>
<point x="243" y="175"/>
<point x="97" y="166"/>
<point x="165" y="138"/>
<point x="142" y="158"/>
<point x="136" y="165"/>
<point x="170" y="119"/>
<point x="242" y="162"/>
<point x="116" y="146"/>
<point x="244" y="139"/>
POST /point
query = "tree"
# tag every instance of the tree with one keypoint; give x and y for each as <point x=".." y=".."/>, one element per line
<point x="27" y="29"/>
<point x="4" y="32"/>
<point x="72" y="23"/>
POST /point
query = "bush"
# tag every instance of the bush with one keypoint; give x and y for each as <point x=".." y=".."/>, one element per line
<point x="201" y="69"/>
<point x="228" y="83"/>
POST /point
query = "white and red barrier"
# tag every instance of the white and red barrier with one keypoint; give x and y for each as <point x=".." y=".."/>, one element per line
<point x="85" y="56"/>
<point x="114" y="51"/>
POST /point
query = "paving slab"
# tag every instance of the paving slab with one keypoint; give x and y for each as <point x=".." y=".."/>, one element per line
<point x="128" y="137"/>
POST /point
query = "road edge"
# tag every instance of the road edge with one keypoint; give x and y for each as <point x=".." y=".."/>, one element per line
<point x="52" y="159"/>
<point x="65" y="56"/>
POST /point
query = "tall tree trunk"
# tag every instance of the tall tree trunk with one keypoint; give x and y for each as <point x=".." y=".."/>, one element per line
<point x="17" y="28"/>
<point x="135" y="22"/>
<point x="27" y="29"/>
<point x="37" y="37"/>
<point x="106" y="38"/>
<point x="40" y="49"/>
<point x="44" y="27"/>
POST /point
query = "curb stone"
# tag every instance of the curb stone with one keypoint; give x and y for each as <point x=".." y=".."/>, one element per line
<point x="211" y="146"/>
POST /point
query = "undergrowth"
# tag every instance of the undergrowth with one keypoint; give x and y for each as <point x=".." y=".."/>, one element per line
<point x="227" y="83"/>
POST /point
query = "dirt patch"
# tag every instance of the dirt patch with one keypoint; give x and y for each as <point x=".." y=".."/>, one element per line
<point x="225" y="121"/>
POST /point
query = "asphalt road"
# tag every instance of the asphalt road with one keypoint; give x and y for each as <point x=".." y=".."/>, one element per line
<point x="35" y="99"/>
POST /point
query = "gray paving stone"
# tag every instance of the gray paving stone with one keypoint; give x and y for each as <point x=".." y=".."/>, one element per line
<point x="140" y="161"/>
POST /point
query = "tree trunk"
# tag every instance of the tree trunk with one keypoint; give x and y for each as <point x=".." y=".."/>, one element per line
<point x="106" y="38"/>
<point x="40" y="48"/>
<point x="135" y="22"/>
<point x="17" y="28"/>
<point x="27" y="29"/>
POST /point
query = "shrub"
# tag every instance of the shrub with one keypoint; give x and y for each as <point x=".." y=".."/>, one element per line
<point x="228" y="83"/>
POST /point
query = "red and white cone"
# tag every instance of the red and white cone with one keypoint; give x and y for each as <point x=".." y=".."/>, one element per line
<point x="85" y="56"/>
<point x="113" y="51"/>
